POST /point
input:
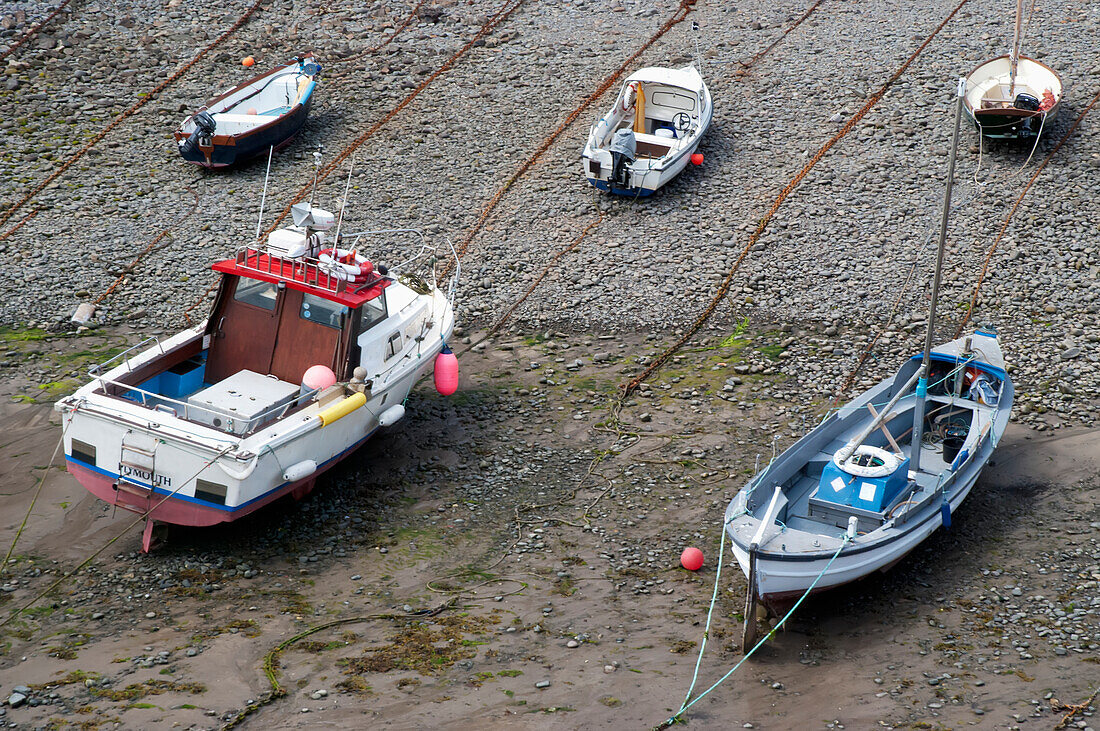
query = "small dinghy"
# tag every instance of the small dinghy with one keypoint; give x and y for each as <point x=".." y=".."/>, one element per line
<point x="877" y="476"/>
<point x="1013" y="97"/>
<point x="309" y="348"/>
<point x="245" y="121"/>
<point x="651" y="133"/>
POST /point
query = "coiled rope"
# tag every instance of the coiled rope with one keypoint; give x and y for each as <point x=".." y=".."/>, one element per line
<point x="724" y="288"/>
<point x="129" y="112"/>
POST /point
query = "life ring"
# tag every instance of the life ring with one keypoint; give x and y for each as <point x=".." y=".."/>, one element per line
<point x="868" y="461"/>
<point x="342" y="261"/>
<point x="630" y="94"/>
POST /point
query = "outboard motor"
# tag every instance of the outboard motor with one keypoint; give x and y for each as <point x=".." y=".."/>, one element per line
<point x="1026" y="102"/>
<point x="204" y="130"/>
<point x="624" y="148"/>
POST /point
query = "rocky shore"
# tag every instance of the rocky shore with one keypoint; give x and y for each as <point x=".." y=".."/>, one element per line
<point x="553" y="527"/>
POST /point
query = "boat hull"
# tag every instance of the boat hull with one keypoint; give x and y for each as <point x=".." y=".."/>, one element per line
<point x="781" y="582"/>
<point x="812" y="536"/>
<point x="228" y="150"/>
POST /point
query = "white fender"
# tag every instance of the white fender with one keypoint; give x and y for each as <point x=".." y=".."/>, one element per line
<point x="391" y="416"/>
<point x="300" y="471"/>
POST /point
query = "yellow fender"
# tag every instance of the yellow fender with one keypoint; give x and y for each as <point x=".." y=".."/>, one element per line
<point x="342" y="409"/>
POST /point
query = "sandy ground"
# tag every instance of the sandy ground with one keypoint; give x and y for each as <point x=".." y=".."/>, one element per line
<point x="590" y="600"/>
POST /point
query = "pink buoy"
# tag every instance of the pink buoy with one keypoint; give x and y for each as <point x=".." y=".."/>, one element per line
<point x="318" y="377"/>
<point x="446" y="372"/>
<point x="692" y="558"/>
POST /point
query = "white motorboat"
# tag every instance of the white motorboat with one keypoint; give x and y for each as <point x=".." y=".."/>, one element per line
<point x="308" y="350"/>
<point x="651" y="133"/>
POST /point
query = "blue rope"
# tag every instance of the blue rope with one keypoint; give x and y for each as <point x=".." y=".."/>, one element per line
<point x="710" y="611"/>
<point x="686" y="705"/>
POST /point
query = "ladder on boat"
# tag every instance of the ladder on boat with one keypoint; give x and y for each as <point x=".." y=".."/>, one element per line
<point x="136" y="473"/>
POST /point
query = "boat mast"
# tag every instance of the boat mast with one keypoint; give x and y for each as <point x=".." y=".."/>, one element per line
<point x="922" y="384"/>
<point x="1014" y="57"/>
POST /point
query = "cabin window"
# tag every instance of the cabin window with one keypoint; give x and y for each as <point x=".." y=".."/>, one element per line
<point x="673" y="100"/>
<point x="323" y="311"/>
<point x="373" y="312"/>
<point x="210" y="491"/>
<point x="83" y="451"/>
<point x="256" y="293"/>
<point x="393" y="345"/>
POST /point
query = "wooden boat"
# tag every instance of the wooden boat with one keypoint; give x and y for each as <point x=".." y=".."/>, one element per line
<point x="1013" y="97"/>
<point x="651" y="133"/>
<point x="879" y="475"/>
<point x="308" y="350"/>
<point x="248" y="119"/>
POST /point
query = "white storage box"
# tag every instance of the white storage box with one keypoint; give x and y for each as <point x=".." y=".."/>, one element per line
<point x="243" y="402"/>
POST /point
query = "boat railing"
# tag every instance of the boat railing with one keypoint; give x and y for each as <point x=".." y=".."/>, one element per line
<point x="105" y="366"/>
<point x="299" y="269"/>
<point x="426" y="255"/>
<point x="192" y="412"/>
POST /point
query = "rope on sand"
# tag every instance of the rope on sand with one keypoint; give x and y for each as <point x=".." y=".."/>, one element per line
<point x="688" y="702"/>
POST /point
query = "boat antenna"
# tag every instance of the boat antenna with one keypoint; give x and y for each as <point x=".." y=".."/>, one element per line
<point x="343" y="203"/>
<point x="316" y="171"/>
<point x="698" y="55"/>
<point x="1014" y="57"/>
<point x="263" y="197"/>
<point x="922" y="384"/>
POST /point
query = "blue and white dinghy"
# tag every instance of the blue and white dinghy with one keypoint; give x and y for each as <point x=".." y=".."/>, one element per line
<point x="880" y="474"/>
<point x="858" y="474"/>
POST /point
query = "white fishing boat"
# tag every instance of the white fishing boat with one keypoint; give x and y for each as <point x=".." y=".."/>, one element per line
<point x="1013" y="97"/>
<point x="878" y="475"/>
<point x="309" y="348"/>
<point x="651" y="133"/>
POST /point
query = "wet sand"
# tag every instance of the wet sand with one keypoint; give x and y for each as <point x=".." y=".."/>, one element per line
<point x="591" y="599"/>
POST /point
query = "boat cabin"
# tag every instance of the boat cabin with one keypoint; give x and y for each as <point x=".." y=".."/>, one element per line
<point x="659" y="105"/>
<point x="277" y="315"/>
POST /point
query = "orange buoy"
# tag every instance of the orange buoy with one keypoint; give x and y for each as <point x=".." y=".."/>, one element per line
<point x="697" y="158"/>
<point x="446" y="372"/>
<point x="247" y="61"/>
<point x="692" y="558"/>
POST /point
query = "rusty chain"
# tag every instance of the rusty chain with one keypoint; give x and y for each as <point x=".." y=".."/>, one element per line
<point x="129" y="112"/>
<point x="33" y="31"/>
<point x="723" y="288"/>
<point x="505" y="11"/>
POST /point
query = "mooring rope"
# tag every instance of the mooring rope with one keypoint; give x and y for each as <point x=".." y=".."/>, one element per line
<point x="688" y="704"/>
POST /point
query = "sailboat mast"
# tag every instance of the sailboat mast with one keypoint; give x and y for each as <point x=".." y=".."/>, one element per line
<point x="922" y="384"/>
<point x="1014" y="57"/>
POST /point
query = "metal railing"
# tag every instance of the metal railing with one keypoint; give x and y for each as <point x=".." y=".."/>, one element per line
<point x="99" y="368"/>
<point x="188" y="411"/>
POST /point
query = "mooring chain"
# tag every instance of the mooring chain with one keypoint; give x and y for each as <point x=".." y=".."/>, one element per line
<point x="505" y="11"/>
<point x="724" y="287"/>
<point x="34" y="30"/>
<point x="128" y="112"/>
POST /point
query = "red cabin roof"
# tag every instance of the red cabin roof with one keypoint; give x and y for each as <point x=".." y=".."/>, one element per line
<point x="304" y="275"/>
